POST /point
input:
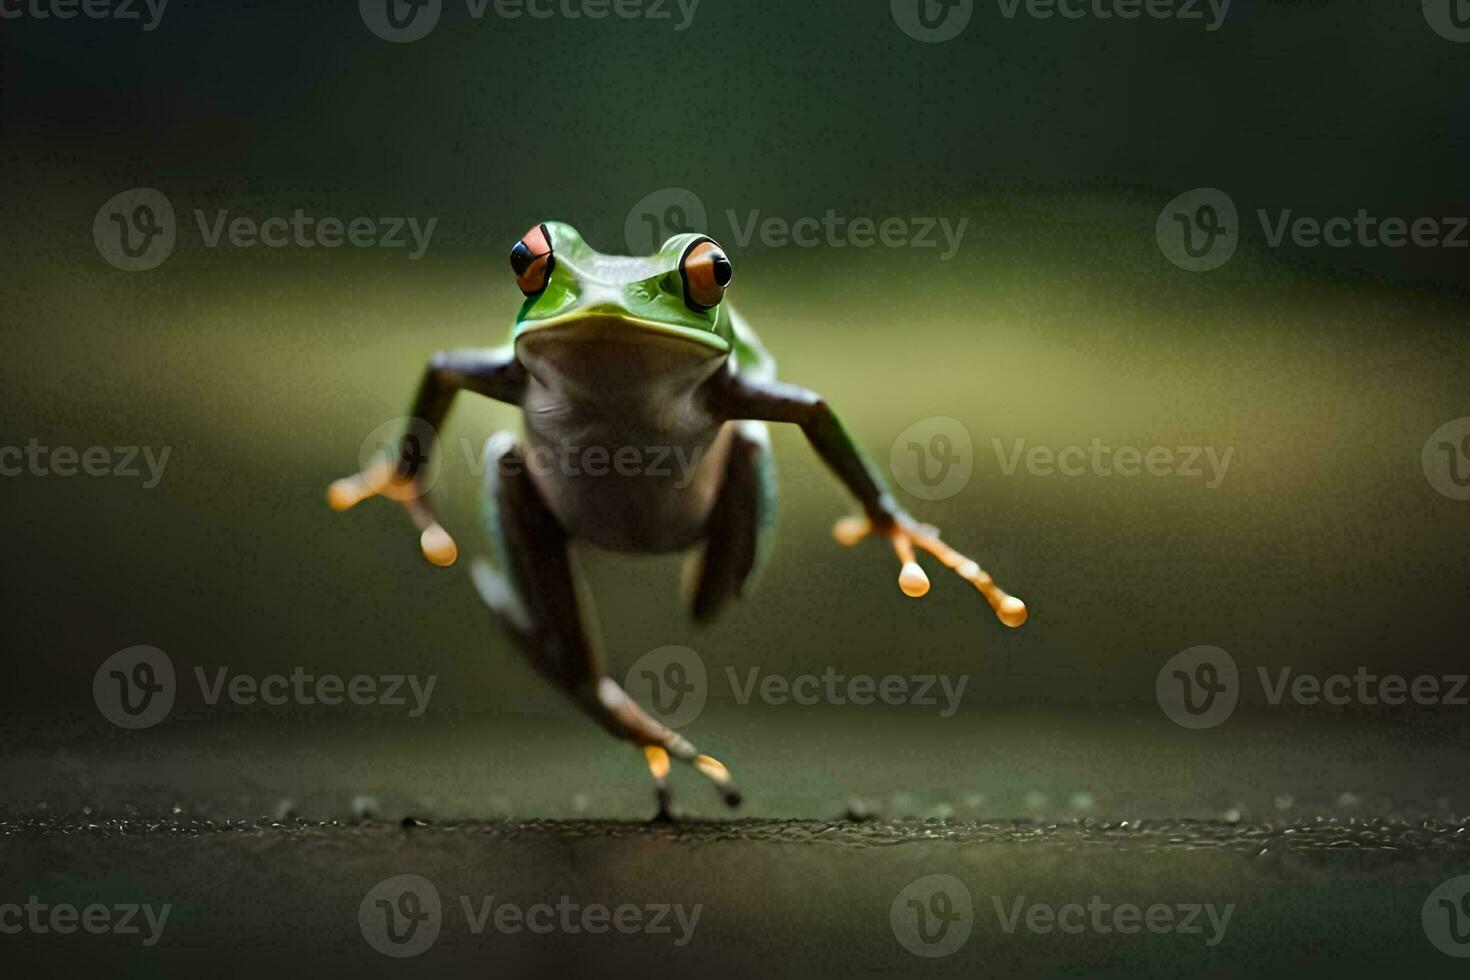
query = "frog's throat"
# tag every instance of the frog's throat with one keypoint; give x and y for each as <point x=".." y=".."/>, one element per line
<point x="587" y="319"/>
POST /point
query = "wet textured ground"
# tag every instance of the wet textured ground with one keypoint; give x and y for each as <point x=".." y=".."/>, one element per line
<point x="1317" y="855"/>
<point x="1311" y="896"/>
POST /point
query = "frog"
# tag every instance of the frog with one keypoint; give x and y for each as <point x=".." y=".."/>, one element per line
<point x="609" y="358"/>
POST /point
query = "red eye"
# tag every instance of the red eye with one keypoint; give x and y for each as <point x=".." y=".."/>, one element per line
<point x="532" y="261"/>
<point x="706" y="272"/>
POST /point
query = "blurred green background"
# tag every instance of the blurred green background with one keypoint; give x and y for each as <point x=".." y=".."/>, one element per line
<point x="1057" y="321"/>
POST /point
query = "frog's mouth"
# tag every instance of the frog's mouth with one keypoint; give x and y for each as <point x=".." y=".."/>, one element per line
<point x="611" y="353"/>
<point x="594" y="325"/>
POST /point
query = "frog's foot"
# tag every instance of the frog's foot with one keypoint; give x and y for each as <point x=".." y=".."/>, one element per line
<point x="623" y="717"/>
<point x="381" y="479"/>
<point x="906" y="536"/>
<point x="658" y="765"/>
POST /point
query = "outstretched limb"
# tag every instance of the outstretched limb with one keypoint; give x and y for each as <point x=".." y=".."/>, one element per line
<point x="911" y="578"/>
<point x="738" y="397"/>
<point x="398" y="474"/>
<point x="535" y="587"/>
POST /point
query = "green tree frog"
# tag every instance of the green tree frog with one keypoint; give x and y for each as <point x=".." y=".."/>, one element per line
<point x="610" y="359"/>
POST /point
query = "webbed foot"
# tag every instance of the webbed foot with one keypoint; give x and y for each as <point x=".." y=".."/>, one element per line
<point x="905" y="535"/>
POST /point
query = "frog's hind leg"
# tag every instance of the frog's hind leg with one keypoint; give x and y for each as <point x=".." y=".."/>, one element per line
<point x="740" y="527"/>
<point x="536" y="589"/>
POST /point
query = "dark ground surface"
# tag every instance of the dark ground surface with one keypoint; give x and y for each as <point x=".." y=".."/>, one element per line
<point x="1321" y="835"/>
<point x="1311" y="897"/>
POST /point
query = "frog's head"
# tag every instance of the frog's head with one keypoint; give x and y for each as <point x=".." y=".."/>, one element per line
<point x="620" y="324"/>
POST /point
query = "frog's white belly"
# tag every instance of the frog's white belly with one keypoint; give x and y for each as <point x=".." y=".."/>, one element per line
<point x="626" y="477"/>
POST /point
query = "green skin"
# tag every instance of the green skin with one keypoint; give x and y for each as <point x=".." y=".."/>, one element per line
<point x="609" y="356"/>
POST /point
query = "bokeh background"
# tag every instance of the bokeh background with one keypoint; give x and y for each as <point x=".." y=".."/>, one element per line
<point x="1058" y="320"/>
<point x="1325" y="549"/>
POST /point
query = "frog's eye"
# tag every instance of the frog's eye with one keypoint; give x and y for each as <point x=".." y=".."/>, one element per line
<point x="706" y="272"/>
<point x="532" y="261"/>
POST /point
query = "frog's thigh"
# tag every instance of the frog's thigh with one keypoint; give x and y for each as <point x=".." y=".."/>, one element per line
<point x="532" y="582"/>
<point x="740" y="526"/>
<point x="536" y="588"/>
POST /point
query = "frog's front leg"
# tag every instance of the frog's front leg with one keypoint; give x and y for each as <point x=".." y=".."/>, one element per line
<point x="738" y="397"/>
<point x="494" y="373"/>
